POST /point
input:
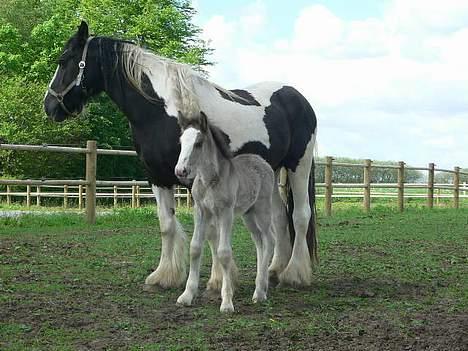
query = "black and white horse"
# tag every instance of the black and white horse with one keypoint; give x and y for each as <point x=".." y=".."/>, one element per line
<point x="269" y="119"/>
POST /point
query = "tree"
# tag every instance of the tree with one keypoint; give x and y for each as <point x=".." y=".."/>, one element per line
<point x="32" y="35"/>
<point x="343" y="174"/>
<point x="447" y="178"/>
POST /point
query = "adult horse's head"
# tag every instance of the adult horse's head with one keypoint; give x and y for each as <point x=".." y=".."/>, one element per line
<point x="77" y="78"/>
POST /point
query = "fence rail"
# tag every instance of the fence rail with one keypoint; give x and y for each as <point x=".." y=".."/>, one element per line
<point x="89" y="190"/>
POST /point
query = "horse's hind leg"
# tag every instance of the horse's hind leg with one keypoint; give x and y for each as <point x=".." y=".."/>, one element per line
<point x="196" y="248"/>
<point x="299" y="269"/>
<point x="283" y="247"/>
<point x="258" y="221"/>
<point x="172" y="270"/>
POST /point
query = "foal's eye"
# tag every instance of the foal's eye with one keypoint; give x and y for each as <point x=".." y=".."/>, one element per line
<point x="198" y="144"/>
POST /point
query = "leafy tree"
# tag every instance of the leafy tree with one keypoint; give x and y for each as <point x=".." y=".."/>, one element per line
<point x="32" y="35"/>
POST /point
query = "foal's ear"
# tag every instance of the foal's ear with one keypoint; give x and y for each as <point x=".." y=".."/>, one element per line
<point x="83" y="31"/>
<point x="203" y="122"/>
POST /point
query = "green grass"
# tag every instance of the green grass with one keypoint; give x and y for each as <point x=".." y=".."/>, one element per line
<point x="386" y="281"/>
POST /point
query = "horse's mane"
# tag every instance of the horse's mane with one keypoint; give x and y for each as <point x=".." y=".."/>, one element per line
<point x="182" y="78"/>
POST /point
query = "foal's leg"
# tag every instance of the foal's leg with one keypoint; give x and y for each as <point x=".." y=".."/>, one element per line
<point x="258" y="221"/>
<point x="283" y="247"/>
<point x="196" y="248"/>
<point x="225" y="221"/>
<point x="171" y="271"/>
<point x="299" y="270"/>
<point x="216" y="279"/>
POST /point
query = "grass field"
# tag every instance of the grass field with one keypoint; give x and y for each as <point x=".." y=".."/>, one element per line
<point x="387" y="281"/>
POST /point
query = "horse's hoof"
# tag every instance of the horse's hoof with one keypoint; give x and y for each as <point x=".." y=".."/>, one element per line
<point x="214" y="285"/>
<point x="211" y="294"/>
<point x="273" y="280"/>
<point x="185" y="300"/>
<point x="152" y="288"/>
<point x="296" y="276"/>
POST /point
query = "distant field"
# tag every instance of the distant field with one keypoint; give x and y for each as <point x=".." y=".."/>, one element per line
<point x="387" y="281"/>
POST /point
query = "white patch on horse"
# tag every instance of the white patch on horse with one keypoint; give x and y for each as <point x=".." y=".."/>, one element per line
<point x="186" y="92"/>
<point x="232" y="117"/>
<point x="51" y="81"/>
<point x="187" y="142"/>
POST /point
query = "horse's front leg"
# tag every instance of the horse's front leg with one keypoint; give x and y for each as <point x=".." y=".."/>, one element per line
<point x="196" y="249"/>
<point x="216" y="278"/>
<point x="225" y="221"/>
<point x="172" y="270"/>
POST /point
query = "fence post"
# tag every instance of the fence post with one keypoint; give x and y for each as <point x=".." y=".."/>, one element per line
<point x="401" y="186"/>
<point x="91" y="164"/>
<point x="8" y="196"/>
<point x="189" y="198"/>
<point x="115" y="196"/>
<point x="38" y="195"/>
<point x="456" y="188"/>
<point x="65" y="196"/>
<point x="80" y="197"/>
<point x="367" y="181"/>
<point x="28" y="196"/>
<point x="133" y="195"/>
<point x="430" y="186"/>
<point x="178" y="194"/>
<point x="328" y="185"/>
<point x="138" y="196"/>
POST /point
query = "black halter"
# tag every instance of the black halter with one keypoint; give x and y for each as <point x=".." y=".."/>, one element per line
<point x="78" y="81"/>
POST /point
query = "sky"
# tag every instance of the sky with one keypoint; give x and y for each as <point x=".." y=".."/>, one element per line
<point x="388" y="79"/>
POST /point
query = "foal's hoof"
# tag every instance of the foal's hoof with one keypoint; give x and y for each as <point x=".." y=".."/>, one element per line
<point x="226" y="308"/>
<point x="259" y="297"/>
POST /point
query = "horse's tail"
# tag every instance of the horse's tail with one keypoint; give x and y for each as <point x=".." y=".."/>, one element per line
<point x="311" y="237"/>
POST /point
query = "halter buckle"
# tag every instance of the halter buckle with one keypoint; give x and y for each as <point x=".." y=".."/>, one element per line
<point x="82" y="64"/>
<point x="59" y="98"/>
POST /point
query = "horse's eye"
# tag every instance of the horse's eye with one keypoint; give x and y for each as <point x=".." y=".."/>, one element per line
<point x="198" y="144"/>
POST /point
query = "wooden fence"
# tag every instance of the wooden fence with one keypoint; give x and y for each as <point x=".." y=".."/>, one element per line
<point x="456" y="187"/>
<point x="90" y="189"/>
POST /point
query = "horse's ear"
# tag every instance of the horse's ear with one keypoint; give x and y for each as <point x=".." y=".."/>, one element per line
<point x="83" y="31"/>
<point x="203" y="122"/>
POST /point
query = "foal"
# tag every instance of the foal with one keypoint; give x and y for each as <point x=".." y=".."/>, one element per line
<point x="222" y="187"/>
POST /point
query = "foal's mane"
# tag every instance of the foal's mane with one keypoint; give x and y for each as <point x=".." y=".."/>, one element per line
<point x="211" y="131"/>
<point x="220" y="141"/>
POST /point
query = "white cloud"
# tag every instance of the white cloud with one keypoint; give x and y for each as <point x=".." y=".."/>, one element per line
<point x="389" y="87"/>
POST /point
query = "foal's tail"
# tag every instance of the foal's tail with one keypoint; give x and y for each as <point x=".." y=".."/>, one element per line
<point x="311" y="236"/>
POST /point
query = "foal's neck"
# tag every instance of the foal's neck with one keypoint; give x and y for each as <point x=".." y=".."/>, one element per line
<point x="214" y="166"/>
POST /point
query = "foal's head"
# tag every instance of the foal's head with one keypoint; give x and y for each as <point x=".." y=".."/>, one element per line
<point x="198" y="142"/>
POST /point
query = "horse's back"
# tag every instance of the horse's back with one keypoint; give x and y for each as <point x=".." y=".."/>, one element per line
<point x="290" y="120"/>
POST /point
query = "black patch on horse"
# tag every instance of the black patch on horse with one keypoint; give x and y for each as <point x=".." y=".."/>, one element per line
<point x="302" y="124"/>
<point x="242" y="97"/>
